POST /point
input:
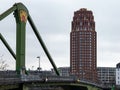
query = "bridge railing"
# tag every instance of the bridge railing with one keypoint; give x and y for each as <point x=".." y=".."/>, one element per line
<point x="28" y="78"/>
<point x="9" y="81"/>
<point x="12" y="77"/>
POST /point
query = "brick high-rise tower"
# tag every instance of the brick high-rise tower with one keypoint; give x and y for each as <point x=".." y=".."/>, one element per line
<point x="83" y="53"/>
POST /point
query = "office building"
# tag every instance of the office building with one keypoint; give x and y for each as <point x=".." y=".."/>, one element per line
<point x="106" y="76"/>
<point x="64" y="71"/>
<point x="83" y="48"/>
<point x="118" y="75"/>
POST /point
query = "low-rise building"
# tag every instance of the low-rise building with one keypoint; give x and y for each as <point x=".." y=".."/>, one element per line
<point x="64" y="71"/>
<point x="118" y="75"/>
<point x="106" y="75"/>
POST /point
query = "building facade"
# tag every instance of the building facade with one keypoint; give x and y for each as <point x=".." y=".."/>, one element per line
<point x="64" y="71"/>
<point x="83" y="50"/>
<point x="118" y="74"/>
<point x="106" y="76"/>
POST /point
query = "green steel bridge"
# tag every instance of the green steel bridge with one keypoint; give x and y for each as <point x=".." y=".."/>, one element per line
<point x="22" y="81"/>
<point x="26" y="82"/>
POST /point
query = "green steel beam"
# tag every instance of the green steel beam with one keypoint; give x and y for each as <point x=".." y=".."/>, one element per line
<point x="21" y="14"/>
<point x="42" y="44"/>
<point x="7" y="46"/>
<point x="6" y="13"/>
<point x="9" y="87"/>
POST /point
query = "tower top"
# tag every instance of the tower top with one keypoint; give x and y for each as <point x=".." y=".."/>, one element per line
<point x="83" y="20"/>
<point x="83" y="9"/>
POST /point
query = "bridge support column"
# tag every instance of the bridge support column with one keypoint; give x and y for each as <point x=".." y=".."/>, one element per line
<point x="21" y="14"/>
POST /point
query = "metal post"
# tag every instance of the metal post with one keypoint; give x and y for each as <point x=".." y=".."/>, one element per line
<point x="39" y="62"/>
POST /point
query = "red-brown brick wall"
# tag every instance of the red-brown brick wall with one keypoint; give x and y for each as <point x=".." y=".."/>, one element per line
<point x="83" y="43"/>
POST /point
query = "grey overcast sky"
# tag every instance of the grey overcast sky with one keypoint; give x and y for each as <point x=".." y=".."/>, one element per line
<point x="53" y="20"/>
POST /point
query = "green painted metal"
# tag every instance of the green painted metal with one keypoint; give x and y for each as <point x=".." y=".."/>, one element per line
<point x="7" y="46"/>
<point x="6" y="13"/>
<point x="90" y="87"/>
<point x="42" y="44"/>
<point x="25" y="87"/>
<point x="63" y="84"/>
<point x="9" y="87"/>
<point x="113" y="87"/>
<point x="20" y="14"/>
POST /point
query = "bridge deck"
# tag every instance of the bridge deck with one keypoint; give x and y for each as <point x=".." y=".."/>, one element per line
<point x="14" y="80"/>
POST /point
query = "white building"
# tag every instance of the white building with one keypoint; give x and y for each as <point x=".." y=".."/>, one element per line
<point x="118" y="74"/>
